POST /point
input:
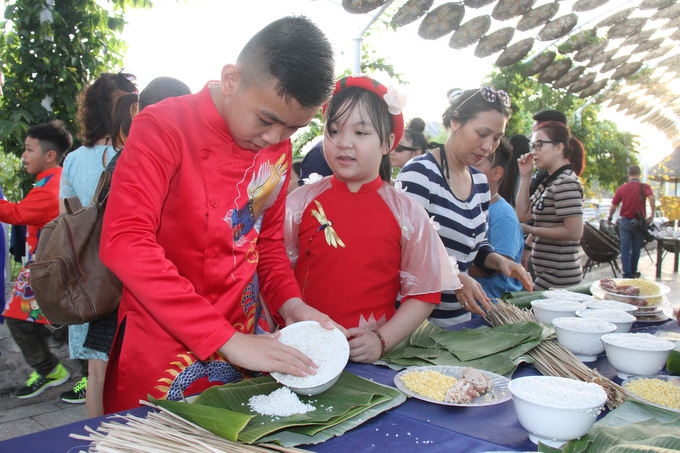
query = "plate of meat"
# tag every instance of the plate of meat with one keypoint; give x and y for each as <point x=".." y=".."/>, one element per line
<point x="453" y="385"/>
<point x="645" y="294"/>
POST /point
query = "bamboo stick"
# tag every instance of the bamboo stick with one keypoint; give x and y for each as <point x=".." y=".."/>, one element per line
<point x="551" y="358"/>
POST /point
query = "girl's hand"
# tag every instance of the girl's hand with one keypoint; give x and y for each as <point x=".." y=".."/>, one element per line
<point x="364" y="345"/>
<point x="472" y="296"/>
<point x="295" y="310"/>
<point x="526" y="165"/>
<point x="517" y="271"/>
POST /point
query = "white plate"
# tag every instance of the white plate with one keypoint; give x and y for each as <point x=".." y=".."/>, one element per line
<point x="673" y="379"/>
<point x="497" y="393"/>
<point x="563" y="294"/>
<point x="663" y="289"/>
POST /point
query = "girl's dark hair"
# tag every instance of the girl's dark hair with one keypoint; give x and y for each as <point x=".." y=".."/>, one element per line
<point x="415" y="133"/>
<point x="468" y="105"/>
<point x="162" y="88"/>
<point x="96" y="104"/>
<point x="519" y="145"/>
<point x="502" y="157"/>
<point x="573" y="148"/>
<point x="370" y="104"/>
<point x="125" y="107"/>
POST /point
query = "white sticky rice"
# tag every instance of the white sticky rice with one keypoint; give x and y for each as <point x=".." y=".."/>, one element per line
<point x="327" y="348"/>
<point x="279" y="403"/>
<point x="558" y="304"/>
<point x="639" y="341"/>
<point x="559" y="392"/>
<point x="584" y="324"/>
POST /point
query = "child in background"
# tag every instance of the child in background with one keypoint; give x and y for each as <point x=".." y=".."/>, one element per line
<point x="357" y="242"/>
<point x="505" y="233"/>
<point x="194" y="223"/>
<point x="45" y="146"/>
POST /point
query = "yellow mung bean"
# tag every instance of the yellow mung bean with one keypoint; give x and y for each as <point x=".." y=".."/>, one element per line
<point x="430" y="384"/>
<point x="656" y="391"/>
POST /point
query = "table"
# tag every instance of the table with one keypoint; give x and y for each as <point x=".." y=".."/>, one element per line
<point x="670" y="244"/>
<point x="414" y="425"/>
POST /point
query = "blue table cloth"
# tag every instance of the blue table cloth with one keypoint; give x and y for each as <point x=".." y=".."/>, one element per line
<point x="416" y="425"/>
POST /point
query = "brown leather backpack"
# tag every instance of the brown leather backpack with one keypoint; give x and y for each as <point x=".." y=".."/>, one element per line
<point x="70" y="283"/>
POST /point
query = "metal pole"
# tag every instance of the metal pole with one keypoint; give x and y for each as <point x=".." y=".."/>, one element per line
<point x="359" y="38"/>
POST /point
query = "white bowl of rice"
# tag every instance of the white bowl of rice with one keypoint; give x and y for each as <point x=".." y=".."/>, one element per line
<point x="622" y="320"/>
<point x="611" y="305"/>
<point x="582" y="336"/>
<point x="329" y="349"/>
<point x="545" y="310"/>
<point x="555" y="410"/>
<point x="637" y="354"/>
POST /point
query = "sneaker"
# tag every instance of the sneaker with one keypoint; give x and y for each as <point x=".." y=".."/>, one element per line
<point x="37" y="384"/>
<point x="77" y="395"/>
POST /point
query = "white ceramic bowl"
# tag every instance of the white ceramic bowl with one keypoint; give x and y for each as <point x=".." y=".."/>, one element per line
<point x="638" y="354"/>
<point x="545" y="310"/>
<point x="622" y="320"/>
<point x="329" y="349"/>
<point x="611" y="305"/>
<point x="564" y="294"/>
<point x="582" y="336"/>
<point x="555" y="410"/>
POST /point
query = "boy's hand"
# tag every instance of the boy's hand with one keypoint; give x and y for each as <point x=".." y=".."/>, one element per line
<point x="364" y="345"/>
<point x="266" y="353"/>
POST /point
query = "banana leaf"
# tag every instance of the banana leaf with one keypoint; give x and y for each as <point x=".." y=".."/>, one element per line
<point x="630" y="428"/>
<point x="221" y="422"/>
<point x="482" y="343"/>
<point x="348" y="399"/>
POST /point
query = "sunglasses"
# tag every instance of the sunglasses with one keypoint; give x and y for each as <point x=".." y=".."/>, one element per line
<point x="401" y="148"/>
<point x="536" y="144"/>
<point x="489" y="95"/>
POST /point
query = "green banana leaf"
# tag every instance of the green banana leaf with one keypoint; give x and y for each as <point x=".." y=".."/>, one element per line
<point x="498" y="349"/>
<point x="224" y="423"/>
<point x="338" y="409"/>
<point x="630" y="428"/>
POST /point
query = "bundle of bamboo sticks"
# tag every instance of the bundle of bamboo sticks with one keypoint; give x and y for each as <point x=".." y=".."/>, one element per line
<point x="551" y="358"/>
<point x="164" y="432"/>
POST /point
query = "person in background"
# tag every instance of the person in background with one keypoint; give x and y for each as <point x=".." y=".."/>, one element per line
<point x="82" y="170"/>
<point x="314" y="162"/>
<point x="45" y="146"/>
<point x="542" y="117"/>
<point x="412" y="144"/>
<point x="212" y="168"/>
<point x="456" y="194"/>
<point x="511" y="177"/>
<point x="505" y="233"/>
<point x="161" y="88"/>
<point x="633" y="197"/>
<point x="553" y="214"/>
<point x="294" y="175"/>
<point x="331" y="223"/>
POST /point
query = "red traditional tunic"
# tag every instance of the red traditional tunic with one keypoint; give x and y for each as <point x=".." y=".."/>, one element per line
<point x="190" y="219"/>
<point x="40" y="206"/>
<point x="356" y="252"/>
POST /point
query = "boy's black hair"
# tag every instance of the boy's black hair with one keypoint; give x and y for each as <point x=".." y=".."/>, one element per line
<point x="52" y="136"/>
<point x="161" y="88"/>
<point x="96" y="105"/>
<point x="296" y="53"/>
<point x="550" y="115"/>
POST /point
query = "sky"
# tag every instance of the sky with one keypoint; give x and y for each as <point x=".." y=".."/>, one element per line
<point x="192" y="39"/>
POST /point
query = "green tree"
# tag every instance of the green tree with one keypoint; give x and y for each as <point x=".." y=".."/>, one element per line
<point x="608" y="150"/>
<point x="50" y="50"/>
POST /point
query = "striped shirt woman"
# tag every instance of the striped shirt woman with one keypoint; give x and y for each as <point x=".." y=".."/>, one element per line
<point x="463" y="223"/>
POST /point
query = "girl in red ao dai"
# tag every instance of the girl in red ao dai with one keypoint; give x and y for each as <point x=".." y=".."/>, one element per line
<point x="356" y="242"/>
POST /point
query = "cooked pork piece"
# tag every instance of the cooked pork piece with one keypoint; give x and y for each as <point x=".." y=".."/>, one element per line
<point x="461" y="392"/>
<point x="478" y="380"/>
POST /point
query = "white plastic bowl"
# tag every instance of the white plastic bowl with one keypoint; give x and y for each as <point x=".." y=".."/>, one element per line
<point x="636" y="359"/>
<point x="555" y="410"/>
<point x="622" y="320"/>
<point x="582" y="336"/>
<point x="327" y="348"/>
<point x="545" y="310"/>
<point x="611" y="305"/>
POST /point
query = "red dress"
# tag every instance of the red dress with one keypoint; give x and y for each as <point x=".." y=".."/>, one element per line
<point x="190" y="219"/>
<point x="355" y="253"/>
<point x="40" y="206"/>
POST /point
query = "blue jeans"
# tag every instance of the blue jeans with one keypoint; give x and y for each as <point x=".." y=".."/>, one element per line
<point x="631" y="244"/>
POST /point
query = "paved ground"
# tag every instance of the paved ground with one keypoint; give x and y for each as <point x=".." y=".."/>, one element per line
<point x="20" y="417"/>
